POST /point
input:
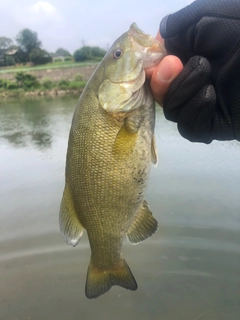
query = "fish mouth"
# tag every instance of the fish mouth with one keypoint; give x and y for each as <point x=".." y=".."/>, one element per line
<point x="151" y="49"/>
<point x="140" y="36"/>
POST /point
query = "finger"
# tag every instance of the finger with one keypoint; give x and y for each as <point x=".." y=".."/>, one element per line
<point x="163" y="75"/>
<point x="195" y="117"/>
<point x="181" y="20"/>
<point x="195" y="75"/>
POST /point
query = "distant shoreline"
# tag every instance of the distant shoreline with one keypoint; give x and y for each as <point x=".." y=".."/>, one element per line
<point x="54" y="74"/>
<point x="36" y="93"/>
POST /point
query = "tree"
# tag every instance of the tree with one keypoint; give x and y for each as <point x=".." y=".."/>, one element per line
<point x="39" y="56"/>
<point x="82" y="54"/>
<point x="28" y="40"/>
<point x="98" y="52"/>
<point x="89" y="53"/>
<point x="62" y="53"/>
<point x="9" y="60"/>
<point x="5" y="43"/>
<point x="21" y="56"/>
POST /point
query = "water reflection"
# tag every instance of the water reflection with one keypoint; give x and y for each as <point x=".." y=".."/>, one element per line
<point x="28" y="122"/>
<point x="189" y="270"/>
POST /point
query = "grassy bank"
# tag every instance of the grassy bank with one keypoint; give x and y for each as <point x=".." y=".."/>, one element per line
<point x="53" y="79"/>
<point x="53" y="65"/>
<point x="26" y="84"/>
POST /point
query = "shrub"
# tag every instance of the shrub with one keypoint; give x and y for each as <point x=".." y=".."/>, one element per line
<point x="20" y="76"/>
<point x="77" y="84"/>
<point x="68" y="58"/>
<point x="10" y="85"/>
<point x="47" y="83"/>
<point x="57" y="60"/>
<point x="63" y="84"/>
<point x="78" y="77"/>
<point x="2" y="83"/>
<point x="26" y="80"/>
<point x="30" y="82"/>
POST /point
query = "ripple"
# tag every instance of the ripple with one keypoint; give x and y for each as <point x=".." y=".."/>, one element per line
<point x="198" y="243"/>
<point x="31" y="252"/>
<point x="35" y="246"/>
<point x="186" y="272"/>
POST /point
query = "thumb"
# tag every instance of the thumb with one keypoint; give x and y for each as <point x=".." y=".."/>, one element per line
<point x="163" y="75"/>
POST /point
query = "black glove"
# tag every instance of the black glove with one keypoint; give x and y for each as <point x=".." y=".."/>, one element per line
<point x="204" y="99"/>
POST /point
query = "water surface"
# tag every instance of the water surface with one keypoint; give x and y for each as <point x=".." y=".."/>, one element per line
<point x="189" y="270"/>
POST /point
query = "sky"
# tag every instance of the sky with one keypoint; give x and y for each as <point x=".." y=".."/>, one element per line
<point x="70" y="24"/>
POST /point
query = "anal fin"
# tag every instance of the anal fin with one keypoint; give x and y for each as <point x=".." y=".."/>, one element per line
<point x="70" y="225"/>
<point x="143" y="225"/>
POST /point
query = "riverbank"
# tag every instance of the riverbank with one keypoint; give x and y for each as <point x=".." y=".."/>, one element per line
<point x="39" y="93"/>
<point x="53" y="72"/>
<point x="54" y="75"/>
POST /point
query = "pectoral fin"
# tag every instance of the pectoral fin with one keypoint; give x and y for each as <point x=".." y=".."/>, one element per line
<point x="143" y="225"/>
<point x="154" y="151"/>
<point x="124" y="144"/>
<point x="134" y="120"/>
<point x="70" y="225"/>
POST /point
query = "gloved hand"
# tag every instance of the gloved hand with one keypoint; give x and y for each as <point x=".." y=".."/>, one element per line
<point x="204" y="99"/>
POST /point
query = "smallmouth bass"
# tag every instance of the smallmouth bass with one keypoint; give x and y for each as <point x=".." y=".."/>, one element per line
<point x="110" y="150"/>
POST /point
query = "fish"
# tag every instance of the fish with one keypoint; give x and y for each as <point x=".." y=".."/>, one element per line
<point x="111" y="148"/>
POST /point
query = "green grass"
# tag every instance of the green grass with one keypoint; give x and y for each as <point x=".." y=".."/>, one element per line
<point x="26" y="83"/>
<point x="53" y="65"/>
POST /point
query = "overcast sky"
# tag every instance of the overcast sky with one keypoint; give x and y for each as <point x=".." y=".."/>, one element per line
<point x="71" y="23"/>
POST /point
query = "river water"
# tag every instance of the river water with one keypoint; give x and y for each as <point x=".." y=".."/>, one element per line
<point x="189" y="270"/>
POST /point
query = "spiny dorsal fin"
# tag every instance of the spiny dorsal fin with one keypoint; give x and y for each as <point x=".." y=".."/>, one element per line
<point x="143" y="225"/>
<point x="70" y="225"/>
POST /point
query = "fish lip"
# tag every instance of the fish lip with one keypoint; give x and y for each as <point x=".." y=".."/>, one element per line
<point x="148" y="44"/>
<point x="156" y="61"/>
<point x="140" y="36"/>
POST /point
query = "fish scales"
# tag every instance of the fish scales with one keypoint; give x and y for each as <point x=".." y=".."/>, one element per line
<point x="110" y="149"/>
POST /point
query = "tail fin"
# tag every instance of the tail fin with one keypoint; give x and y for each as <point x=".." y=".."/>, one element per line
<point x="99" y="281"/>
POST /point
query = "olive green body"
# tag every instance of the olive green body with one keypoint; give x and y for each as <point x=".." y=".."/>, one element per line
<point x="110" y="150"/>
<point x="107" y="170"/>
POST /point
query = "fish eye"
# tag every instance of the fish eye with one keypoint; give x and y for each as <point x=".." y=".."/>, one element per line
<point x="117" y="53"/>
